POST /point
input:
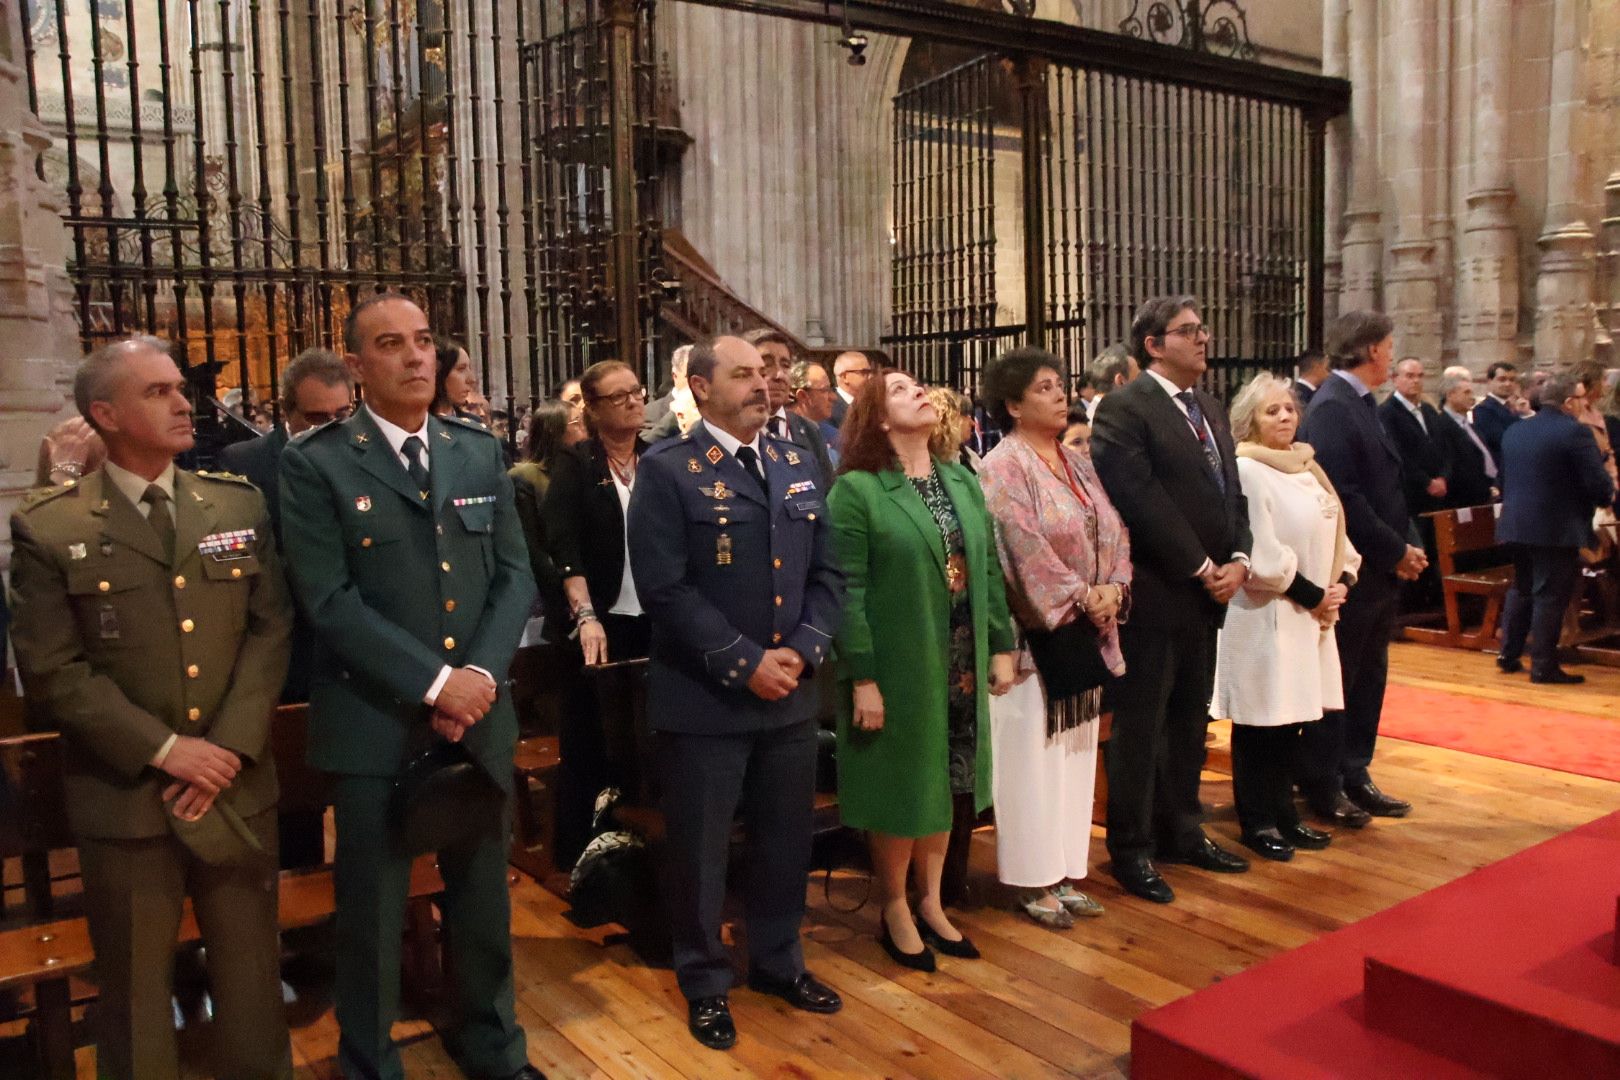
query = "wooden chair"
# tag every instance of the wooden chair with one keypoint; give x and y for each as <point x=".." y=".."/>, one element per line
<point x="1464" y="531"/>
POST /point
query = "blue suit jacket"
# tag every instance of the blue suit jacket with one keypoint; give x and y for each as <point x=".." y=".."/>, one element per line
<point x="726" y="573"/>
<point x="1552" y="480"/>
<point x="1362" y="461"/>
<point x="1491" y="419"/>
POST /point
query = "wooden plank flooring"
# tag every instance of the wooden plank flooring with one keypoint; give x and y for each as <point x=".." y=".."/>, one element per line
<point x="1040" y="1004"/>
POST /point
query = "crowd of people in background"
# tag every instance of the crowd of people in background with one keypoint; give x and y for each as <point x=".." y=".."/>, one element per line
<point x="784" y="542"/>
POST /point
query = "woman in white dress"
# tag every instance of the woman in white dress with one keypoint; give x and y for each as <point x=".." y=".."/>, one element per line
<point x="1277" y="663"/>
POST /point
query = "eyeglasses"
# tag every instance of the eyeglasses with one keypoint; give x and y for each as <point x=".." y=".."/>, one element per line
<point x="1191" y="331"/>
<point x="623" y="397"/>
<point x="816" y="389"/>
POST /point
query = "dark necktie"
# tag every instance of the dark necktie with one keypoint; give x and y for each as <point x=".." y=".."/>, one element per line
<point x="750" y="463"/>
<point x="1211" y="455"/>
<point x="414" y="450"/>
<point x="778" y="426"/>
<point x="157" y="501"/>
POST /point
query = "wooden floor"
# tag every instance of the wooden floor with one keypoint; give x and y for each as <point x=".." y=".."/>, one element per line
<point x="1040" y="1003"/>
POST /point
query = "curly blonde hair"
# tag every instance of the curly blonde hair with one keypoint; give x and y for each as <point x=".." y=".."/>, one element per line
<point x="946" y="440"/>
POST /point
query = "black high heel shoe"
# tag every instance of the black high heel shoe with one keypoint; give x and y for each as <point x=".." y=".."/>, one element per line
<point x="917" y="961"/>
<point x="962" y="948"/>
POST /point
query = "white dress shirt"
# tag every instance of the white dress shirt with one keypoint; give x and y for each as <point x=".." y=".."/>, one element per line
<point x="730" y="444"/>
<point x="1415" y="410"/>
<point x="134" y="486"/>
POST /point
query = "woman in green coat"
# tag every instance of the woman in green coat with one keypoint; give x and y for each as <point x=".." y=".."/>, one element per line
<point x="925" y="638"/>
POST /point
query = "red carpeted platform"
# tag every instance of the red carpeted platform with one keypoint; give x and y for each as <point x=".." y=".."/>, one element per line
<point x="1566" y="741"/>
<point x="1509" y="971"/>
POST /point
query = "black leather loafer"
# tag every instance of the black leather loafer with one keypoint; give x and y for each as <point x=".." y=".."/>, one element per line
<point x="1268" y="846"/>
<point x="1342" y="812"/>
<point x="806" y="992"/>
<point x="1375" y="802"/>
<point x="1558" y="677"/>
<point x="1305" y="838"/>
<point x="709" y="1021"/>
<point x="1509" y="667"/>
<point x="1139" y="878"/>
<point x="1205" y="855"/>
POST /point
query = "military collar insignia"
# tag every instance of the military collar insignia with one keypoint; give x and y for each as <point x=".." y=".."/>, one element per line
<point x="362" y="503"/>
<point x="425" y="495"/>
<point x="715" y="455"/>
<point x="770" y="452"/>
<point x="792" y="458"/>
<point x="362" y="438"/>
<point x="77" y="552"/>
<point x="692" y="466"/>
<point x="445" y="435"/>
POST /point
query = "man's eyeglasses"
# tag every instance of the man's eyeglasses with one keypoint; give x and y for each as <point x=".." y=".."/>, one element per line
<point x="1191" y="331"/>
<point x="623" y="397"/>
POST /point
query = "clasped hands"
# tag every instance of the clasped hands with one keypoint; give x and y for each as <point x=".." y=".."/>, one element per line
<point x="201" y="771"/>
<point x="1413" y="563"/>
<point x="777" y="675"/>
<point x="1327" y="612"/>
<point x="1101" y="604"/>
<point x="1223" y="582"/>
<point x="465" y="698"/>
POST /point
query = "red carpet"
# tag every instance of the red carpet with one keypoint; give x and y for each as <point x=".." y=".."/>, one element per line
<point x="1507" y="971"/>
<point x="1568" y="742"/>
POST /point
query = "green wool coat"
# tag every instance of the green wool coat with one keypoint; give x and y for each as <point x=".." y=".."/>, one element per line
<point x="895" y="629"/>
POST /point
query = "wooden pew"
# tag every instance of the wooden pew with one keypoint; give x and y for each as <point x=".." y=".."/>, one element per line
<point x="1464" y="531"/>
<point x="45" y="956"/>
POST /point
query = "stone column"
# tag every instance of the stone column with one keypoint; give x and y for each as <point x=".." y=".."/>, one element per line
<point x="1335" y="62"/>
<point x="1362" y="249"/>
<point x="1488" y="292"/>
<point x="1412" y="293"/>
<point x="41" y="341"/>
<point x="1565" y="280"/>
<point x="1611" y="244"/>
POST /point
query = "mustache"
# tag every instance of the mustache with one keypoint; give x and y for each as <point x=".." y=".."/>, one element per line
<point x="757" y="399"/>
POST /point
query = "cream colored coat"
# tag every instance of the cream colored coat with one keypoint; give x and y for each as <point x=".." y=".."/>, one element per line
<point x="1275" y="663"/>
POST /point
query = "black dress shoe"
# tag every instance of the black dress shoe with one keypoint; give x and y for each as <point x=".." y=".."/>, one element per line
<point x="1375" y="802"/>
<point x="1509" y="667"/>
<point x="1341" y="811"/>
<point x="709" y="1021"/>
<point x="806" y="992"/>
<point x="1268" y="846"/>
<point x="922" y="960"/>
<point x="1304" y="837"/>
<point x="1139" y="878"/>
<point x="962" y="948"/>
<point x="1558" y="677"/>
<point x="1206" y="856"/>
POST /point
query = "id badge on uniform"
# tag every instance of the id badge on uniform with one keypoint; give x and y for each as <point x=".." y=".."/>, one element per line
<point x="109" y="623"/>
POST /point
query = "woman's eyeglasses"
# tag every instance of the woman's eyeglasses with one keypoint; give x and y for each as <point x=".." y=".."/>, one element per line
<point x="623" y="397"/>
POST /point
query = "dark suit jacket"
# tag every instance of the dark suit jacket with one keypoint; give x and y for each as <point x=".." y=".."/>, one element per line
<point x="1361" y="459"/>
<point x="584" y="526"/>
<point x="727" y="572"/>
<point x="1466" y="482"/>
<point x="260" y="461"/>
<point x="657" y="409"/>
<point x="398" y="586"/>
<point x="1154" y="470"/>
<point x="840" y="409"/>
<point x="1424" y="449"/>
<point x="1304" y="391"/>
<point x="1552" y="481"/>
<point x="1491" y="419"/>
<point x="807" y="433"/>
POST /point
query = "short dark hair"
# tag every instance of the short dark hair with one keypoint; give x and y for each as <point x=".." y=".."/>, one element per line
<point x="701" y="361"/>
<point x="351" y="321"/>
<point x="766" y="335"/>
<point x="1353" y="333"/>
<point x="1559" y="388"/>
<point x="1152" y="319"/>
<point x="97" y="377"/>
<point x="1310" y="360"/>
<point x="1008" y="378"/>
<point x="323" y="365"/>
<point x="1501" y="365"/>
<point x="1078" y="415"/>
<point x="1109" y="365"/>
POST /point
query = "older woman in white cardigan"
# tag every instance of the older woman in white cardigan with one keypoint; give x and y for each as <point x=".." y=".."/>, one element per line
<point x="1277" y="663"/>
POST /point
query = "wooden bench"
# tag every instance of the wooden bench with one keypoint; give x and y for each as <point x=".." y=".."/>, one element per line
<point x="1464" y="531"/>
<point x="46" y="955"/>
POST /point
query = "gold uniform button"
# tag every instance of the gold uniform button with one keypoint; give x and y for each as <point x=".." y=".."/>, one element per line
<point x="722" y="521"/>
<point x="449" y="605"/>
<point x="777" y="563"/>
<point x="775" y="638"/>
<point x="187" y="626"/>
<point x="366" y="542"/>
<point x="812" y="517"/>
<point x="179" y="581"/>
<point x="193" y="671"/>
<point x="449" y="642"/>
<point x="194" y="714"/>
<point x="778" y="601"/>
<point x="236" y="571"/>
<point x="105" y="586"/>
<point x="445" y="567"/>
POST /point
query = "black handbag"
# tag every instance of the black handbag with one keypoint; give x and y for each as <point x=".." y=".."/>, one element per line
<point x="443" y="800"/>
<point x="1069" y="659"/>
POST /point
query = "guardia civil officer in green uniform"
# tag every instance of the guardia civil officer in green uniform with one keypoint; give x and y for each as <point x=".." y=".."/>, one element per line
<point x="152" y="629"/>
<point x="405" y="550"/>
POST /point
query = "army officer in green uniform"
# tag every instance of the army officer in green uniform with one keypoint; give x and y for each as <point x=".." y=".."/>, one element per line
<point x="152" y="630"/>
<point x="405" y="550"/>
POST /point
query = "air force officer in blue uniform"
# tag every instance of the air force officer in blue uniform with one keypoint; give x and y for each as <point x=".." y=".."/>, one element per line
<point x="729" y="545"/>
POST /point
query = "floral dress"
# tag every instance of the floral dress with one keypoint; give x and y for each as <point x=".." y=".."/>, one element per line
<point x="962" y="721"/>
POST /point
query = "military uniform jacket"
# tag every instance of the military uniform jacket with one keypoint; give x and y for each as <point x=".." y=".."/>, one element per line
<point x="398" y="583"/>
<point x="120" y="646"/>
<point x="726" y="573"/>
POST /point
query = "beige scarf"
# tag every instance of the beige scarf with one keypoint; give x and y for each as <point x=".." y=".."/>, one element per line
<point x="1301" y="457"/>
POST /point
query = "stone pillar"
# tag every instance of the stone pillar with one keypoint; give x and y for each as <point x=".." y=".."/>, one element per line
<point x="1335" y="62"/>
<point x="1362" y="249"/>
<point x="1611" y="244"/>
<point x="1566" y="278"/>
<point x="1488" y="294"/>
<point x="1412" y="293"/>
<point x="41" y="341"/>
